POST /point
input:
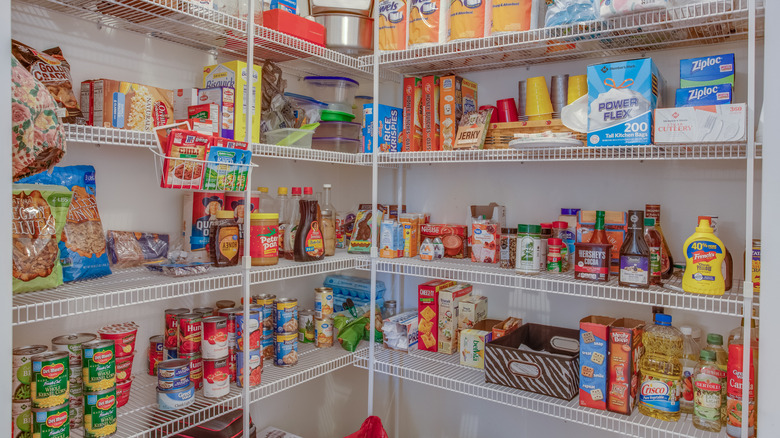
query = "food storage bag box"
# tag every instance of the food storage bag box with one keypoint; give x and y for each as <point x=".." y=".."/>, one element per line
<point x="625" y="349"/>
<point x="458" y="96"/>
<point x="431" y="124"/>
<point x="594" y="339"/>
<point x="709" y="70"/>
<point x="616" y="226"/>
<point x="428" y="309"/>
<point x="127" y="105"/>
<point x="472" y="343"/>
<point x="399" y="332"/>
<point x="701" y="124"/>
<point x="390" y="128"/>
<point x="621" y="100"/>
<point x="225" y="98"/>
<point x="234" y="75"/>
<point x="472" y="310"/>
<point x="700" y="96"/>
<point x="449" y="305"/>
<point x="536" y="358"/>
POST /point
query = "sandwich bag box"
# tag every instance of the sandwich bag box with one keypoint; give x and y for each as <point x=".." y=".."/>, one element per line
<point x="449" y="306"/>
<point x="234" y="75"/>
<point x="702" y="96"/>
<point x="428" y="312"/>
<point x="708" y="70"/>
<point x="701" y="124"/>
<point x="625" y="349"/>
<point x="594" y="339"/>
<point x="472" y="343"/>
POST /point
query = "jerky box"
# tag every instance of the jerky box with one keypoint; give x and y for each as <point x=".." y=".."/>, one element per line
<point x="472" y="311"/>
<point x="412" y="117"/>
<point x="449" y="307"/>
<point x="458" y="96"/>
<point x="234" y="75"/>
<point x="127" y="105"/>
<point x="225" y="98"/>
<point x="594" y="338"/>
<point x="625" y="349"/>
<point x="399" y="332"/>
<point x="428" y="310"/>
<point x="700" y="96"/>
<point x="709" y="70"/>
<point x="473" y="341"/>
<point x="616" y="226"/>
<point x="390" y="127"/>
<point x="431" y="125"/>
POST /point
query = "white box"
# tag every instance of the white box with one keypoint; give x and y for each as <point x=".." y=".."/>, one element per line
<point x="183" y="98"/>
<point x="700" y="124"/>
<point x="401" y="327"/>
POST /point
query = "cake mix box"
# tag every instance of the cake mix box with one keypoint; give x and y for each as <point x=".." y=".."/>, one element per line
<point x="412" y="120"/>
<point x="234" y="75"/>
<point x="449" y="304"/>
<point x="625" y="350"/>
<point x="431" y="124"/>
<point x="700" y="96"/>
<point x="594" y="339"/>
<point x="458" y="96"/>
<point x="428" y="313"/>
<point x="709" y="70"/>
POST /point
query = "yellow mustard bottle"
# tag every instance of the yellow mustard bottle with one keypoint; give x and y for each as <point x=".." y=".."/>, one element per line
<point x="704" y="254"/>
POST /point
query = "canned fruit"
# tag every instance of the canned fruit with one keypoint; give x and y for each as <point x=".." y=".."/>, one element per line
<point x="53" y="422"/>
<point x="215" y="337"/>
<point x="286" y="349"/>
<point x="22" y="370"/>
<point x="306" y="326"/>
<point x="100" y="413"/>
<point x="124" y="368"/>
<point x="190" y="333"/>
<point x="286" y="311"/>
<point x="172" y="326"/>
<point x="123" y="392"/>
<point x="21" y="415"/>
<point x="196" y="369"/>
<point x="255" y="368"/>
<point x="173" y="368"/>
<point x="123" y="335"/>
<point x="98" y="365"/>
<point x="253" y="327"/>
<point x="216" y="377"/>
<point x="175" y="383"/>
<point x="50" y="379"/>
<point x="72" y="344"/>
<point x="323" y="302"/>
<point x="324" y="332"/>
<point x="176" y="399"/>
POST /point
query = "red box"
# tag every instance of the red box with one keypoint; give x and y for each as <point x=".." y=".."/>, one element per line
<point x="594" y="339"/>
<point x="228" y="143"/>
<point x="428" y="313"/>
<point x="431" y="125"/>
<point x="454" y="237"/>
<point x="412" y="124"/>
<point x="625" y="349"/>
<point x="204" y="118"/>
<point x="297" y="26"/>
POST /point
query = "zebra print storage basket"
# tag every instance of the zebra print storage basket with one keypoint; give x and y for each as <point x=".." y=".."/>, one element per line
<point x="536" y="358"/>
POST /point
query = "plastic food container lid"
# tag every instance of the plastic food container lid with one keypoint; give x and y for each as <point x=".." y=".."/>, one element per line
<point x="261" y="216"/>
<point x="337" y="116"/>
<point x="326" y="80"/>
<point x="305" y="99"/>
<point x="365" y="98"/>
<point x="663" y="319"/>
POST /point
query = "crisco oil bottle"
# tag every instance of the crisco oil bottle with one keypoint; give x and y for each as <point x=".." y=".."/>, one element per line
<point x="661" y="387"/>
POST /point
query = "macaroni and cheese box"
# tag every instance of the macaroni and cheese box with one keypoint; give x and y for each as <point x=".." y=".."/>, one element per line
<point x="182" y="99"/>
<point x="709" y="70"/>
<point x="449" y="304"/>
<point x="594" y="338"/>
<point x="412" y="106"/>
<point x="625" y="349"/>
<point x="472" y="311"/>
<point x="615" y="225"/>
<point x="473" y="341"/>
<point x="700" y="96"/>
<point x="428" y="309"/>
<point x="390" y="128"/>
<point x="225" y="98"/>
<point x="431" y="124"/>
<point x="458" y="96"/>
<point x="126" y="105"/>
<point x="234" y="75"/>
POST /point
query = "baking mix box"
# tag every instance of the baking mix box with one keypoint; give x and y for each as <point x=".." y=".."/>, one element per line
<point x="594" y="339"/>
<point x="449" y="305"/>
<point x="390" y="128"/>
<point x="234" y="75"/>
<point x="412" y="115"/>
<point x="225" y="98"/>
<point x="625" y="350"/>
<point x="472" y="310"/>
<point x="473" y="341"/>
<point x="127" y="105"/>
<point x="701" y="124"/>
<point x="183" y="98"/>
<point x="428" y="313"/>
<point x="700" y="96"/>
<point x="458" y="96"/>
<point x="616" y="226"/>
<point x="708" y="70"/>
<point x="431" y="123"/>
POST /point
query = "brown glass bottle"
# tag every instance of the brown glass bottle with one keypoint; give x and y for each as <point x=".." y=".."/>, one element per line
<point x="309" y="242"/>
<point x="667" y="261"/>
<point x="634" y="254"/>
<point x="655" y="244"/>
<point x="225" y="240"/>
<point x="599" y="233"/>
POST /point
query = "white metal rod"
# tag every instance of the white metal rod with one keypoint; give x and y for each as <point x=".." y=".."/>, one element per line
<point x="376" y="223"/>
<point x="6" y="314"/>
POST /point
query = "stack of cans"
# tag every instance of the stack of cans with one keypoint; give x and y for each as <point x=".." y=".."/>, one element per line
<point x="323" y="317"/>
<point x="22" y="375"/>
<point x="215" y="351"/>
<point x="286" y="332"/>
<point x="72" y="345"/>
<point x="98" y="367"/>
<point x="174" y="388"/>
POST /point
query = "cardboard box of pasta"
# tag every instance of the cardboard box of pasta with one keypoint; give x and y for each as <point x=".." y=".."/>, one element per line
<point x="428" y="313"/>
<point x="127" y="105"/>
<point x="594" y="339"/>
<point x="449" y="305"/>
<point x="625" y="349"/>
<point x="473" y="341"/>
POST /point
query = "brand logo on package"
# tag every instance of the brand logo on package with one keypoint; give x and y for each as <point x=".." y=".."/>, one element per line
<point x="654" y="387"/>
<point x="701" y="64"/>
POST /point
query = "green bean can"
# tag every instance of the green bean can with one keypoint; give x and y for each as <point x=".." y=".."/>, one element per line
<point x="50" y="379"/>
<point x="51" y="422"/>
<point x="22" y="418"/>
<point x="100" y="413"/>
<point x="98" y="365"/>
<point x="21" y="374"/>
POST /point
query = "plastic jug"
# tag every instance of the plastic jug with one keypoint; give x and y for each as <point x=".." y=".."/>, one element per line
<point x="704" y="254"/>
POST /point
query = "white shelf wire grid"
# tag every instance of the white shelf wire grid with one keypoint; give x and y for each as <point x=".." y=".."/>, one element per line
<point x="288" y="269"/>
<point x="305" y="154"/>
<point x="710" y="22"/>
<point x="220" y="175"/>
<point x="670" y="295"/>
<point x="445" y="372"/>
<point x="109" y="136"/>
<point x="140" y="417"/>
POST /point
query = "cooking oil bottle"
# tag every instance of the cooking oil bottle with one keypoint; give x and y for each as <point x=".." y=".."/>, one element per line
<point x="715" y="345"/>
<point x="661" y="370"/>
<point x="708" y="401"/>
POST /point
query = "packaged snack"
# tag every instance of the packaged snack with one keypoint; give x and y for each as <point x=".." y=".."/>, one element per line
<point x="453" y="237"/>
<point x="469" y="19"/>
<point x="427" y="22"/>
<point x="361" y="234"/>
<point x="472" y="310"/>
<point x="473" y="341"/>
<point x="485" y="241"/>
<point x="127" y="249"/>
<point x="390" y="126"/>
<point x="412" y="120"/>
<point x="625" y="349"/>
<point x="506" y="326"/>
<point x="511" y="16"/>
<point x="472" y="130"/>
<point x="393" y="33"/>
<point x="458" y="96"/>
<point x="127" y="105"/>
<point x="181" y="174"/>
<point x="39" y="213"/>
<point x="428" y="313"/>
<point x="594" y="338"/>
<point x="449" y="305"/>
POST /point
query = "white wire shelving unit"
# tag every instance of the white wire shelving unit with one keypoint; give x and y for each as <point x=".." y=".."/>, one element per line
<point x="445" y="372"/>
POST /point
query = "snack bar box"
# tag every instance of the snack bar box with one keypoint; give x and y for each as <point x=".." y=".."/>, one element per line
<point x="594" y="341"/>
<point x="536" y="358"/>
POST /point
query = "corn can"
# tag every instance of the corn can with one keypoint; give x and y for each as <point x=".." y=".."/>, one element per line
<point x="323" y="332"/>
<point x="50" y="379"/>
<point x="98" y="365"/>
<point x="100" y="413"/>
<point x="21" y="373"/>
<point x="51" y="422"/>
<point x="323" y="302"/>
<point x="286" y="315"/>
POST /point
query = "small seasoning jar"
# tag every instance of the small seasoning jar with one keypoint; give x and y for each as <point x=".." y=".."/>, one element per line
<point x="264" y="239"/>
<point x="225" y="240"/>
<point x="554" y="258"/>
<point x="528" y="249"/>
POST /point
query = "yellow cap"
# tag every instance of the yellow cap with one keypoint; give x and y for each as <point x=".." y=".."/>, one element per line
<point x="261" y="216"/>
<point x="262" y="189"/>
<point x="281" y="191"/>
<point x="224" y="214"/>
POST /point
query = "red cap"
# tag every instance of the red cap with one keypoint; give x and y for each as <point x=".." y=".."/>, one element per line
<point x="308" y="191"/>
<point x="705" y="218"/>
<point x="547" y="225"/>
<point x="554" y="241"/>
<point x="560" y="224"/>
<point x="296" y="191"/>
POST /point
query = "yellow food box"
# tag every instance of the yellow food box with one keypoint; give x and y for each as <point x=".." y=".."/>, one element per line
<point x="234" y="74"/>
<point x="473" y="341"/>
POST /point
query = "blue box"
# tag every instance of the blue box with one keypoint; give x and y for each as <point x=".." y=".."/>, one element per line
<point x="621" y="99"/>
<point x="285" y="5"/>
<point x="703" y="96"/>
<point x="390" y="128"/>
<point x="709" y="70"/>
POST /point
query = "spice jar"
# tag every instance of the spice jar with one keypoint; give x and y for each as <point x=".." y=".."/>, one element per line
<point x="264" y="239"/>
<point x="224" y="236"/>
<point x="528" y="249"/>
<point x="554" y="259"/>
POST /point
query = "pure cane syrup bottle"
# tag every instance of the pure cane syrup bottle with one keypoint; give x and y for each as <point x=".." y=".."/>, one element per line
<point x="661" y="370"/>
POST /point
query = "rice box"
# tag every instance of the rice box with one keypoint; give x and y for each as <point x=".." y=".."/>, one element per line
<point x="390" y="128"/>
<point x="428" y="310"/>
<point x="621" y="99"/>
<point x="708" y="70"/>
<point x="449" y="304"/>
<point x="594" y="338"/>
<point x="234" y="75"/>
<point x="700" y="96"/>
<point x="225" y="99"/>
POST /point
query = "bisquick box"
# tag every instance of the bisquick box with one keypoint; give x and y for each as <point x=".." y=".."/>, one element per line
<point x="594" y="360"/>
<point x="701" y="124"/>
<point x="233" y="74"/>
<point x="709" y="70"/>
<point x="625" y="349"/>
<point x="390" y="128"/>
<point x="699" y="96"/>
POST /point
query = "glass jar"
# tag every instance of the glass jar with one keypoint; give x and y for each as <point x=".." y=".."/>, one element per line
<point x="264" y="239"/>
<point x="225" y="240"/>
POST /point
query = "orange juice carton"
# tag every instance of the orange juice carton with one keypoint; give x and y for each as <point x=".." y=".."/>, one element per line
<point x="412" y="115"/>
<point x="625" y="349"/>
<point x="183" y="98"/>
<point x="506" y="326"/>
<point x="411" y="233"/>
<point x="428" y="310"/>
<point x="393" y="22"/>
<point x="458" y="96"/>
<point x="234" y="74"/>
<point x="469" y="19"/>
<point x="472" y="310"/>
<point x="473" y="341"/>
<point x="428" y="22"/>
<point x="449" y="304"/>
<point x="399" y="332"/>
<point x="431" y="125"/>
<point x="616" y="226"/>
<point x="594" y="339"/>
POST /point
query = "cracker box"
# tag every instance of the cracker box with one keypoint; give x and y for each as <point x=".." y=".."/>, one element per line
<point x="183" y="98"/>
<point x="126" y="105"/>
<point x="399" y="332"/>
<point x="472" y="311"/>
<point x="594" y="338"/>
<point x="701" y="96"/>
<point x="428" y="309"/>
<point x="458" y="96"/>
<point x="473" y="341"/>
<point x="625" y="350"/>
<point x="615" y="225"/>
<point x="701" y="124"/>
<point x="621" y="99"/>
<point x="234" y="75"/>
<point x="431" y="124"/>
<point x="412" y="106"/>
<point x="454" y="237"/>
<point x="449" y="305"/>
<point x="390" y="127"/>
<point x="506" y="326"/>
<point x="709" y="70"/>
<point x="225" y="98"/>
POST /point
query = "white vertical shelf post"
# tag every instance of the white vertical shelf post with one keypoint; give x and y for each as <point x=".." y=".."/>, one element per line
<point x="6" y="339"/>
<point x="374" y="213"/>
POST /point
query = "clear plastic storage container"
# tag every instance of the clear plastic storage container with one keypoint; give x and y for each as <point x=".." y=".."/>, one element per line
<point x="349" y="130"/>
<point x="300" y="138"/>
<point x="338" y="92"/>
<point x="336" y="144"/>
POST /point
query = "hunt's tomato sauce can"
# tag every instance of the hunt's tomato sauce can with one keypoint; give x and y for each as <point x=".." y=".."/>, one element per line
<point x="172" y="326"/>
<point x="215" y="337"/>
<point x="196" y="369"/>
<point x="251" y="328"/>
<point x="190" y="333"/>
<point x="230" y="316"/>
<point x="216" y="377"/>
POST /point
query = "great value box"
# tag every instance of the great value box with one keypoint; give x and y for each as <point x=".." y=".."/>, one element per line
<point x="234" y="75"/>
<point x="449" y="307"/>
<point x="428" y="311"/>
<point x="615" y="225"/>
<point x="594" y="338"/>
<point x="625" y="349"/>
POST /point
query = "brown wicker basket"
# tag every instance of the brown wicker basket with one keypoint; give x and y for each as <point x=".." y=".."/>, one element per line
<point x="500" y="134"/>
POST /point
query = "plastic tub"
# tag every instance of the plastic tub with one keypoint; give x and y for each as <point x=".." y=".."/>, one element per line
<point x="332" y="89"/>
<point x="336" y="144"/>
<point x="336" y="116"/>
<point x="338" y="129"/>
<point x="299" y="138"/>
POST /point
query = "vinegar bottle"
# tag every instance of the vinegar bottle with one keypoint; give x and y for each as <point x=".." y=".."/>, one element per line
<point x="655" y="244"/>
<point x="707" y="402"/>
<point x="328" y="222"/>
<point x="292" y="227"/>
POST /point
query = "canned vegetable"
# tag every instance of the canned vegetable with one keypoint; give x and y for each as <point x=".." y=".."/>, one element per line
<point x="22" y="370"/>
<point x="98" y="365"/>
<point x="286" y="311"/>
<point x="50" y="379"/>
<point x="100" y="413"/>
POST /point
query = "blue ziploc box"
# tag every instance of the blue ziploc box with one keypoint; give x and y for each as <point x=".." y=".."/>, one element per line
<point x="703" y="96"/>
<point x="390" y="128"/>
<point x="709" y="70"/>
<point x="285" y="5"/>
<point x="621" y="99"/>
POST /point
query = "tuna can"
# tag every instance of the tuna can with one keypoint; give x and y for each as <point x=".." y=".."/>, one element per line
<point x="205" y="312"/>
<point x="306" y="326"/>
<point x="173" y="368"/>
<point x="50" y="379"/>
<point x="230" y="315"/>
<point x="324" y="332"/>
<point x="196" y="369"/>
<point x="156" y="353"/>
<point x="190" y="333"/>
<point x="323" y="302"/>
<point x="176" y="399"/>
<point x="255" y="368"/>
<point x="171" y="353"/>
<point x="267" y="301"/>
<point x="98" y="365"/>
<point x="76" y="411"/>
<point x="254" y="330"/>
<point x="174" y="383"/>
<point x="172" y="326"/>
<point x="216" y="377"/>
<point x="232" y="364"/>
<point x="268" y="349"/>
<point x="72" y="344"/>
<point x="224" y="304"/>
<point x="215" y="337"/>
<point x="21" y="418"/>
<point x="286" y="349"/>
<point x="51" y="422"/>
<point x="286" y="315"/>
<point x="22" y="370"/>
<point x="100" y="413"/>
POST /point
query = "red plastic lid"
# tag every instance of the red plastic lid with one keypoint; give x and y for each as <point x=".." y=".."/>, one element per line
<point x="296" y="190"/>
<point x="560" y="224"/>
<point x="555" y="241"/>
<point x="706" y="218"/>
<point x="308" y="191"/>
<point x="547" y="226"/>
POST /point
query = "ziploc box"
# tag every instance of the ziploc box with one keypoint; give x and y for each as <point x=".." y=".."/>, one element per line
<point x="458" y="96"/>
<point x="594" y="339"/>
<point x="615" y="225"/>
<point x="701" y="124"/>
<point x="431" y="124"/>
<point x="428" y="310"/>
<point x="700" y="96"/>
<point x="625" y="349"/>
<point x="412" y="121"/>
<point x="225" y="97"/>
<point x="449" y="304"/>
<point x="234" y="74"/>
<point x="709" y="70"/>
<point x="621" y="100"/>
<point x="390" y="128"/>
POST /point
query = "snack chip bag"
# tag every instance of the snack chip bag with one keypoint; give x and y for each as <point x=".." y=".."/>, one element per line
<point x="393" y="25"/>
<point x="427" y="22"/>
<point x="469" y="19"/>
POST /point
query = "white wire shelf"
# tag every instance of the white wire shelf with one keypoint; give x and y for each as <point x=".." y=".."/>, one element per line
<point x="729" y="304"/>
<point x="304" y="154"/>
<point x="445" y="372"/>
<point x="711" y="22"/>
<point x="287" y="269"/>
<point x="109" y="136"/>
<point x="141" y="418"/>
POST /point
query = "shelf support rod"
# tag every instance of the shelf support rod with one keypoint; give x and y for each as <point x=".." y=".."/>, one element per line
<point x="376" y="224"/>
<point x="6" y="314"/>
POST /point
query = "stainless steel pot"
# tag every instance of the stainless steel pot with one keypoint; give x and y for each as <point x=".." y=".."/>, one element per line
<point x="364" y="7"/>
<point x="348" y="33"/>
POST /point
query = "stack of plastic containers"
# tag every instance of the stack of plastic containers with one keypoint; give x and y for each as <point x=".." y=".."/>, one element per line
<point x="337" y="132"/>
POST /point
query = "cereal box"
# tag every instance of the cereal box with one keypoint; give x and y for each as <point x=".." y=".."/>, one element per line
<point x="225" y="99"/>
<point x="182" y="99"/>
<point x="472" y="310"/>
<point x="625" y="350"/>
<point x="184" y="174"/>
<point x="412" y="111"/>
<point x="449" y="303"/>
<point x="431" y="124"/>
<point x="399" y="332"/>
<point x="458" y="97"/>
<point x="390" y="126"/>
<point x="615" y="225"/>
<point x="709" y="70"/>
<point x="594" y="336"/>
<point x="428" y="310"/>
<point x="234" y="75"/>
<point x="473" y="341"/>
<point x="126" y="105"/>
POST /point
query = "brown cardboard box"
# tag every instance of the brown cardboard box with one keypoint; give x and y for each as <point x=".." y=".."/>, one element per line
<point x="625" y="349"/>
<point x="127" y="105"/>
<point x="501" y="329"/>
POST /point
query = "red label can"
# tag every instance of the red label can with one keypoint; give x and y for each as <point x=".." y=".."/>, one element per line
<point x="232" y="363"/>
<point x="196" y="369"/>
<point x="252" y="327"/>
<point x="230" y="314"/>
<point x="171" y="326"/>
<point x="156" y="350"/>
<point x="216" y="377"/>
<point x="215" y="337"/>
<point x="190" y="333"/>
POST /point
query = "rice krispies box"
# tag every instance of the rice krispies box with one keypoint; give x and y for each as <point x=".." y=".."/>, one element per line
<point x="594" y="338"/>
<point x="625" y="349"/>
<point x="428" y="313"/>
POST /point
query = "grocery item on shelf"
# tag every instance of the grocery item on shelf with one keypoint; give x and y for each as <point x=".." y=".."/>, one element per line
<point x="323" y="303"/>
<point x="708" y="70"/>
<point x="715" y="345"/>
<point x="485" y="240"/>
<point x="51" y="421"/>
<point x="472" y="343"/>
<point x="506" y="326"/>
<point x="594" y="338"/>
<point x="360" y="241"/>
<point x="736" y="370"/>
<point x="554" y="260"/>
<point x="286" y="345"/>
<point x="428" y="24"/>
<point x="701" y="96"/>
<point x="701" y="124"/>
<point x="295" y="25"/>
<point x="252" y="328"/>
<point x="215" y="337"/>
<point x="472" y="130"/>
<point x="755" y="266"/>
<point x="128" y="249"/>
<point x="205" y="311"/>
<point x="328" y="224"/>
<point x="264" y="239"/>
<point x="399" y="332"/>
<point x="204" y="118"/>
<point x="592" y="261"/>
<point x="634" y="253"/>
<point x="528" y="249"/>
<point x="216" y="380"/>
<point x="100" y="413"/>
<point x="708" y="402"/>
<point x="187" y="172"/>
<point x="512" y="16"/>
<point x="294" y="218"/>
<point x="458" y="96"/>
<point x="391" y="239"/>
<point x="21" y="418"/>
<point x="306" y="331"/>
<point x="224" y="240"/>
<point x="610" y="9"/>
<point x="667" y="260"/>
<point x="469" y="19"/>
<point x="286" y="315"/>
<point x="189" y="333"/>
<point x="179" y="269"/>
<point x="448" y="309"/>
<point x="128" y="105"/>
<point x="428" y="313"/>
<point x="199" y="210"/>
<point x="226" y="169"/>
<point x="175" y="399"/>
<point x="728" y="262"/>
<point x="508" y="251"/>
<point x="323" y="329"/>
<point x="453" y="237"/>
<point x="655" y="245"/>
<point x="411" y="233"/>
<point x="234" y="74"/>
<point x="471" y="311"/>
<point x="225" y="99"/>
<point x="390" y="126"/>
<point x="411" y="137"/>
<point x="393" y="24"/>
<point x="156" y="352"/>
<point x="49" y="379"/>
<point x="561" y="12"/>
<point x="661" y="382"/>
<point x="309" y="244"/>
<point x="689" y="360"/>
<point x="183" y="98"/>
<point x="569" y="235"/>
<point x="705" y="253"/>
<point x="431" y="122"/>
<point x="625" y="351"/>
<point x="195" y="363"/>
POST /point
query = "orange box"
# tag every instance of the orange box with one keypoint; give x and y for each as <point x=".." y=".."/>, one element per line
<point x="428" y="313"/>
<point x="616" y="226"/>
<point x="594" y="337"/>
<point x="625" y="349"/>
<point x="458" y="96"/>
<point x="431" y="126"/>
<point x="499" y="329"/>
<point x="412" y="125"/>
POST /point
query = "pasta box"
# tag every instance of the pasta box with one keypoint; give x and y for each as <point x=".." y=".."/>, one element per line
<point x="428" y="313"/>
<point x="625" y="349"/>
<point x="536" y="358"/>
<point x="449" y="304"/>
<point x="472" y="343"/>
<point x="615" y="225"/>
<point x="594" y="338"/>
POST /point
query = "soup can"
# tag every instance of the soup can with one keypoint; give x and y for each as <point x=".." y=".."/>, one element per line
<point x="50" y="379"/>
<point x="100" y="413"/>
<point x="22" y="370"/>
<point x="72" y="344"/>
<point x="98" y="365"/>
<point x="216" y="377"/>
<point x="215" y="337"/>
<point x="255" y="368"/>
<point x="172" y="326"/>
<point x="175" y="399"/>
<point x="123" y="335"/>
<point x="174" y="368"/>
<point x="306" y="326"/>
<point x="267" y="301"/>
<point x="21" y="418"/>
<point x="156" y="353"/>
<point x="230" y="316"/>
<point x="205" y="312"/>
<point x="268" y="349"/>
<point x="190" y="333"/>
<point x="323" y="302"/>
<point x="225" y="304"/>
<point x="174" y="383"/>
<point x="51" y="422"/>
<point x="195" y="361"/>
<point x="232" y="364"/>
<point x="253" y="328"/>
<point x="324" y="332"/>
<point x="286" y="315"/>
<point x="286" y="349"/>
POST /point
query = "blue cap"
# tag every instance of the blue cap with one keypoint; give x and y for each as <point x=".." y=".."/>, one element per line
<point x="570" y="211"/>
<point x="663" y="319"/>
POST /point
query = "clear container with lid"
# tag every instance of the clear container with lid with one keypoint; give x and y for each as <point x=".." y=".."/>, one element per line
<point x="337" y="91"/>
<point x="350" y="130"/>
<point x="264" y="239"/>
<point x="336" y="144"/>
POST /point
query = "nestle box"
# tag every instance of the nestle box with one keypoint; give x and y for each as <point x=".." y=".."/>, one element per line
<point x="183" y="98"/>
<point x="472" y="310"/>
<point x="431" y="124"/>
<point x="412" y="125"/>
<point x="225" y="98"/>
<point x="594" y="338"/>
<point x="399" y="332"/>
<point x="700" y="96"/>
<point x="458" y="96"/>
<point x="709" y="70"/>
<point x="127" y="105"/>
<point x="701" y="124"/>
<point x="428" y="309"/>
<point x="625" y="349"/>
<point x="616" y="226"/>
<point x="473" y="341"/>
<point x="390" y="128"/>
<point x="449" y="307"/>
